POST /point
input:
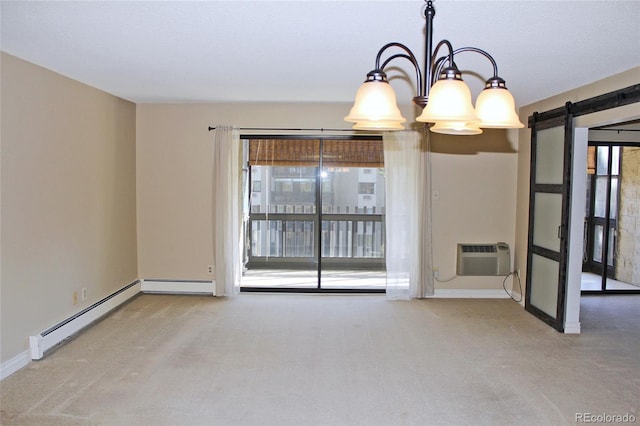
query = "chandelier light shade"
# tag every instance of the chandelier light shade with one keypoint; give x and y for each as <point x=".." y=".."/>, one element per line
<point x="449" y="100"/>
<point x="456" y="128"/>
<point x="375" y="107"/>
<point x="496" y="108"/>
<point x="446" y="101"/>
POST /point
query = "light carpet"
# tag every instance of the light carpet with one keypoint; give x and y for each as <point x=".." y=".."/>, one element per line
<point x="283" y="359"/>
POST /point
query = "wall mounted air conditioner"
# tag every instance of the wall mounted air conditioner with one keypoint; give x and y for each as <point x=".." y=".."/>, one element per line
<point x="484" y="259"/>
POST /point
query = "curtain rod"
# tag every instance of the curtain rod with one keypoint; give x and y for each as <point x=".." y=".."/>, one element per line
<point x="283" y="129"/>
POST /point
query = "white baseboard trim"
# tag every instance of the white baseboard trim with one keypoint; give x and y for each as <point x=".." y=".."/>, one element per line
<point x="464" y="293"/>
<point x="54" y="335"/>
<point x="178" y="287"/>
<point x="572" y="328"/>
<point x="14" y="364"/>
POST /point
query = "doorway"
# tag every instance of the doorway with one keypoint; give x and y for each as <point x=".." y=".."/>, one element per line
<point x="315" y="214"/>
<point x="611" y="235"/>
<point x="623" y="105"/>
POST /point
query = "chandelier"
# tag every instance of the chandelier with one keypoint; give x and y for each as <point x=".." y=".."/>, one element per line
<point x="446" y="101"/>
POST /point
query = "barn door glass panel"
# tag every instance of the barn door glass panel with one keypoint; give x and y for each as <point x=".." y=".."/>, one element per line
<point x="549" y="156"/>
<point x="544" y="284"/>
<point x="547" y="214"/>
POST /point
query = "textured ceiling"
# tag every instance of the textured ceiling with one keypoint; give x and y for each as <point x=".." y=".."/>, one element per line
<point x="315" y="51"/>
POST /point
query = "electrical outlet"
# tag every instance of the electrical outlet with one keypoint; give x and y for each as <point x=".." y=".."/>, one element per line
<point x="84" y="294"/>
<point x="210" y="269"/>
<point x="518" y="272"/>
<point x="75" y="297"/>
<point x="436" y="273"/>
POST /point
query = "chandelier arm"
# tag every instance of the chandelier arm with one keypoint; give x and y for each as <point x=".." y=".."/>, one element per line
<point x="438" y="65"/>
<point x="399" y="45"/>
<point x="483" y="53"/>
<point x="448" y="57"/>
<point x="413" y="61"/>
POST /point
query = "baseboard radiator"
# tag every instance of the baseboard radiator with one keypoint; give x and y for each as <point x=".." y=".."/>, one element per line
<point x="484" y="259"/>
<point x="56" y="334"/>
<point x="177" y="287"/>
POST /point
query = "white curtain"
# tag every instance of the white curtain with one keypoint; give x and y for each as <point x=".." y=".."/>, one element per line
<point x="227" y="213"/>
<point x="408" y="215"/>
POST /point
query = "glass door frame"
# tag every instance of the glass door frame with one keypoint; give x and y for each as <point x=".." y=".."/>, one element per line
<point x="317" y="260"/>
<point x="604" y="290"/>
<point x="607" y="222"/>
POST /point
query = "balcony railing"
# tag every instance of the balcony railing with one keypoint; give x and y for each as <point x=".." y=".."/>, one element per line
<point x="348" y="240"/>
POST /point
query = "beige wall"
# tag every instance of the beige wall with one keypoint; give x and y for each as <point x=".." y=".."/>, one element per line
<point x="474" y="178"/>
<point x="611" y="116"/>
<point x="628" y="247"/>
<point x="68" y="198"/>
<point x="474" y="198"/>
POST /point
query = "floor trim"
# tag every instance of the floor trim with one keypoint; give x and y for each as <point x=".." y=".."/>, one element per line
<point x="572" y="328"/>
<point x="14" y="364"/>
<point x="463" y="293"/>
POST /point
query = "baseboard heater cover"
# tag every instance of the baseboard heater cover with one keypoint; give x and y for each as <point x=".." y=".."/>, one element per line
<point x="54" y="335"/>
<point x="178" y="287"/>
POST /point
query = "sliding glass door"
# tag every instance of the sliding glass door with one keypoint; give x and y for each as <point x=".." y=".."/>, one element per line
<point x="316" y="214"/>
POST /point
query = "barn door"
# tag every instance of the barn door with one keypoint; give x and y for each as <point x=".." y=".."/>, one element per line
<point x="551" y="153"/>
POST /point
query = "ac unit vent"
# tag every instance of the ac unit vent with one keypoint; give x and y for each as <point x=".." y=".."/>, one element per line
<point x="484" y="259"/>
<point x="478" y="248"/>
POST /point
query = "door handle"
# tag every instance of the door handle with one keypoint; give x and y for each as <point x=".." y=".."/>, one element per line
<point x="560" y="228"/>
